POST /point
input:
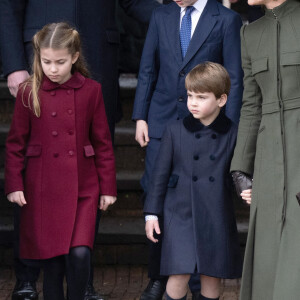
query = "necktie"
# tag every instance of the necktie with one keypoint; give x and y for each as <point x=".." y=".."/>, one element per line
<point x="185" y="30"/>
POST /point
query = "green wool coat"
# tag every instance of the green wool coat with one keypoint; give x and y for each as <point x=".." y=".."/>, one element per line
<point x="268" y="147"/>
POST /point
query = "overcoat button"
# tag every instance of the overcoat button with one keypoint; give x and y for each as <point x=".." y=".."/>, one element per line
<point x="196" y="157"/>
<point x="198" y="136"/>
<point x="68" y="92"/>
<point x="52" y="93"/>
<point x="54" y="133"/>
<point x="195" y="178"/>
<point x="71" y="153"/>
<point x="55" y="154"/>
<point x="181" y="73"/>
<point x="180" y="99"/>
<point x="211" y="179"/>
<point x="213" y="136"/>
<point x="212" y="157"/>
<point x="70" y="111"/>
<point x="71" y="132"/>
<point x="53" y="114"/>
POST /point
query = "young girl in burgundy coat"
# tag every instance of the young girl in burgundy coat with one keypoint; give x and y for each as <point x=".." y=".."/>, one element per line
<point x="59" y="160"/>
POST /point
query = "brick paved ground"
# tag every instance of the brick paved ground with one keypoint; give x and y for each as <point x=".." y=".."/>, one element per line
<point x="115" y="282"/>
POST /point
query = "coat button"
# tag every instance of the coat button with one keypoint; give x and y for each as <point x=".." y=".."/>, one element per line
<point x="180" y="99"/>
<point x="212" y="157"/>
<point x="53" y="114"/>
<point x="55" y="154"/>
<point x="211" y="179"/>
<point x="70" y="111"/>
<point x="71" y="132"/>
<point x="195" y="178"/>
<point x="196" y="157"/>
<point x="52" y="93"/>
<point x="181" y="73"/>
<point x="198" y="136"/>
<point x="213" y="136"/>
<point x="71" y="153"/>
<point x="54" y="133"/>
<point x="68" y="92"/>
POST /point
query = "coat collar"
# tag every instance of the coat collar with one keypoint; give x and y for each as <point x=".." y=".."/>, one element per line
<point x="221" y="124"/>
<point x="75" y="82"/>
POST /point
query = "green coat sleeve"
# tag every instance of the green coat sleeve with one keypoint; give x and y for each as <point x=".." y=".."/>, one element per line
<point x="244" y="153"/>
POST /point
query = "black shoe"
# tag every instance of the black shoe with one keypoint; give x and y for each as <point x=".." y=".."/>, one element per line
<point x="90" y="294"/>
<point x="25" y="290"/>
<point x="154" y="290"/>
<point x="196" y="295"/>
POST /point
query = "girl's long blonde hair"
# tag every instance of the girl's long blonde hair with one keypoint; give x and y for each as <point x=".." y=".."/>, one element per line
<point x="55" y="36"/>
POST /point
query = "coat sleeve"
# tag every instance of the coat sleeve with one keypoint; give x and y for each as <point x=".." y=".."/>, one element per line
<point x="147" y="74"/>
<point x="154" y="203"/>
<point x="101" y="141"/>
<point x="141" y="10"/>
<point x="232" y="63"/>
<point x="12" y="14"/>
<point x="16" y="144"/>
<point x="244" y="153"/>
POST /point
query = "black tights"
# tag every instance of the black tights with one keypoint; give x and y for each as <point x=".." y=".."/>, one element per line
<point x="76" y="267"/>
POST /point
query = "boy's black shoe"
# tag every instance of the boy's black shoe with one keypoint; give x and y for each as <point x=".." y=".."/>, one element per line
<point x="196" y="295"/>
<point x="25" y="290"/>
<point x="154" y="290"/>
<point x="91" y="294"/>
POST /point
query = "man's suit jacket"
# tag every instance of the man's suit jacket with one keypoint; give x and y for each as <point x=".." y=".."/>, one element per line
<point x="161" y="95"/>
<point x="95" y="20"/>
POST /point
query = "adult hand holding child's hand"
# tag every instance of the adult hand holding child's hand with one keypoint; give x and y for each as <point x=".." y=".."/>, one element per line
<point x="17" y="197"/>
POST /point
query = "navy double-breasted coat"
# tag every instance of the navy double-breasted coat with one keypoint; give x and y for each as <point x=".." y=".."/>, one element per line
<point x="191" y="188"/>
<point x="69" y="161"/>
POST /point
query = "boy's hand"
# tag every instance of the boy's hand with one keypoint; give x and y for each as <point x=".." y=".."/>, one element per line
<point x="17" y="197"/>
<point x="106" y="201"/>
<point x="150" y="226"/>
<point x="141" y="133"/>
<point x="246" y="195"/>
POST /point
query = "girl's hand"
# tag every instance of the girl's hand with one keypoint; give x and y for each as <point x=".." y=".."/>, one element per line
<point x="246" y="195"/>
<point x="106" y="201"/>
<point x="17" y="197"/>
<point x="150" y="226"/>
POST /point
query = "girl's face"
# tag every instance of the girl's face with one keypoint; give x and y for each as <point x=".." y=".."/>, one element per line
<point x="57" y="64"/>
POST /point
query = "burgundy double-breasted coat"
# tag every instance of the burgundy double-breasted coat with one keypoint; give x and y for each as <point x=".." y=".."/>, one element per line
<point x="69" y="161"/>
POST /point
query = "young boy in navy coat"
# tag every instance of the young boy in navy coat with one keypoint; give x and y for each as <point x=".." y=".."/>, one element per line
<point x="190" y="188"/>
<point x="181" y="35"/>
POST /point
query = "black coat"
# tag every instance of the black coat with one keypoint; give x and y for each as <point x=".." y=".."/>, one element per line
<point x="95" y="20"/>
<point x="191" y="188"/>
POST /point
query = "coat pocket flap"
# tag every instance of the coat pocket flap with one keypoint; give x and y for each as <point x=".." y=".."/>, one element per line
<point x="173" y="181"/>
<point x="259" y="65"/>
<point x="290" y="59"/>
<point x="113" y="36"/>
<point x="33" y="150"/>
<point x="89" y="150"/>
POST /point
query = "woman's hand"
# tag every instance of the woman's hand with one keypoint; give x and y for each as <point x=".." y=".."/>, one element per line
<point x="246" y="195"/>
<point x="150" y="227"/>
<point x="17" y="197"/>
<point x="106" y="201"/>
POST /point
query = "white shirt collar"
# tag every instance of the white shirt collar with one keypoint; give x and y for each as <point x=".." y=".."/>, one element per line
<point x="199" y="5"/>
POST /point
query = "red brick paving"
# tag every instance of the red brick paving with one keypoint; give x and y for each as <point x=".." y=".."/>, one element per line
<point x="114" y="282"/>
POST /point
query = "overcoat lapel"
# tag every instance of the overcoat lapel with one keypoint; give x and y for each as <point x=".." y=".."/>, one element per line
<point x="172" y="22"/>
<point x="204" y="27"/>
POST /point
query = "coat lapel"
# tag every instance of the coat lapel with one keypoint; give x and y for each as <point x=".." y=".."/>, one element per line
<point x="172" y="22"/>
<point x="204" y="27"/>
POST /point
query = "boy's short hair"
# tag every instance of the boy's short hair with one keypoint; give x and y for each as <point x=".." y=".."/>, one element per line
<point x="208" y="77"/>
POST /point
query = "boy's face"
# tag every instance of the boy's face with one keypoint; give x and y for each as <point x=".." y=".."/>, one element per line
<point x="205" y="106"/>
<point x="184" y="3"/>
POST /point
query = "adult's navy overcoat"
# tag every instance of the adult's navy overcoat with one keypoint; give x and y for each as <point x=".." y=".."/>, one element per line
<point x="161" y="95"/>
<point x="69" y="162"/>
<point x="95" y="20"/>
<point x="191" y="187"/>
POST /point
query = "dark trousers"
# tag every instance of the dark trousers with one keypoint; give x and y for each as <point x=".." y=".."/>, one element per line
<point x="27" y="269"/>
<point x="155" y="248"/>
